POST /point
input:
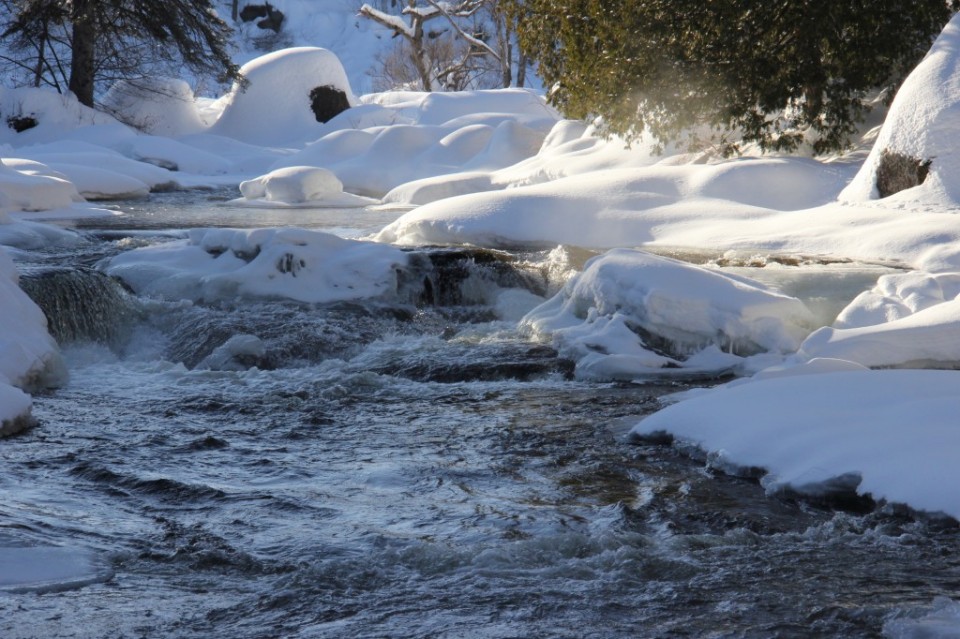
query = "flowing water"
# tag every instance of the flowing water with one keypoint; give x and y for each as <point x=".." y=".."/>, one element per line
<point x="414" y="471"/>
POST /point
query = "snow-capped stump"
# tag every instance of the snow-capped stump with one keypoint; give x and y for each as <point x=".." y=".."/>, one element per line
<point x="276" y="105"/>
<point x="917" y="145"/>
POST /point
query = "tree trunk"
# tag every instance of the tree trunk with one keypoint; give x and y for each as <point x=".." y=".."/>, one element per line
<point x="419" y="54"/>
<point x="83" y="47"/>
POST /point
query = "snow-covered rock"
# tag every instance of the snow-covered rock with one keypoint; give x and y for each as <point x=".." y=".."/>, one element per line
<point x="629" y="312"/>
<point x="274" y="108"/>
<point x="301" y="185"/>
<point x="922" y="126"/>
<point x="218" y="264"/>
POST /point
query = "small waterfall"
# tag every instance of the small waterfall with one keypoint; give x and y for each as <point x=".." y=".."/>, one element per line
<point x="82" y="304"/>
<point x="466" y="276"/>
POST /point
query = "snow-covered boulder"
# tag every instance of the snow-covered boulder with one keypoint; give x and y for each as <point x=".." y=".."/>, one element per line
<point x="275" y="106"/>
<point x="300" y="185"/>
<point x="630" y="312"/>
<point x="159" y="106"/>
<point x="918" y="140"/>
<point x="218" y="264"/>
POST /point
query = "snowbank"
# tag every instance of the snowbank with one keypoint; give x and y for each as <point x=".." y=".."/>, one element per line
<point x="622" y="206"/>
<point x="29" y="357"/>
<point x="629" y="313"/>
<point x="224" y="264"/>
<point x="380" y="146"/>
<point x="274" y="108"/>
<point x="892" y="435"/>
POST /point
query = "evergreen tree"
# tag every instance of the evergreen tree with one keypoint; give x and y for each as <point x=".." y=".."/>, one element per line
<point x="93" y="40"/>
<point x="756" y="71"/>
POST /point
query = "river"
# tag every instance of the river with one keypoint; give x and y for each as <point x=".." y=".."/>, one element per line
<point x="404" y="472"/>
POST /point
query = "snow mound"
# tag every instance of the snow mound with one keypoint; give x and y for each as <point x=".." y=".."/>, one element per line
<point x="55" y="115"/>
<point x="159" y="106"/>
<point x="890" y="434"/>
<point x="274" y="108"/>
<point x="32" y="186"/>
<point x="224" y="264"/>
<point x="922" y="125"/>
<point x="616" y="207"/>
<point x="301" y="185"/>
<point x="897" y="296"/>
<point x="395" y="139"/>
<point x="927" y="338"/>
<point x="629" y="312"/>
<point x="440" y="108"/>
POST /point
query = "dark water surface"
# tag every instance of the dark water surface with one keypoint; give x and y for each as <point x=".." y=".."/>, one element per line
<point x="410" y="473"/>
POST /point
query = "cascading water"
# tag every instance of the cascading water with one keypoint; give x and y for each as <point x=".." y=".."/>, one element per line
<point x="412" y="469"/>
<point x="82" y="304"/>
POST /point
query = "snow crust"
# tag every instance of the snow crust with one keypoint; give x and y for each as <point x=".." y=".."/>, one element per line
<point x="225" y="264"/>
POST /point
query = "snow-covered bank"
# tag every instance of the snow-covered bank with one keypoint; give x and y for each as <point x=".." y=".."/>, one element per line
<point x="889" y="434"/>
<point x="29" y="358"/>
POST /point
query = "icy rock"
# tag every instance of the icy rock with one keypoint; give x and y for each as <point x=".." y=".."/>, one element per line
<point x="630" y="311"/>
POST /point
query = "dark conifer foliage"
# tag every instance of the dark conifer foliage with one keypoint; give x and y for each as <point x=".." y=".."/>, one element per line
<point x="764" y="72"/>
<point x="82" y="42"/>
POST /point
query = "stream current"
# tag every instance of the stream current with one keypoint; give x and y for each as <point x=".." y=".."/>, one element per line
<point x="403" y="472"/>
